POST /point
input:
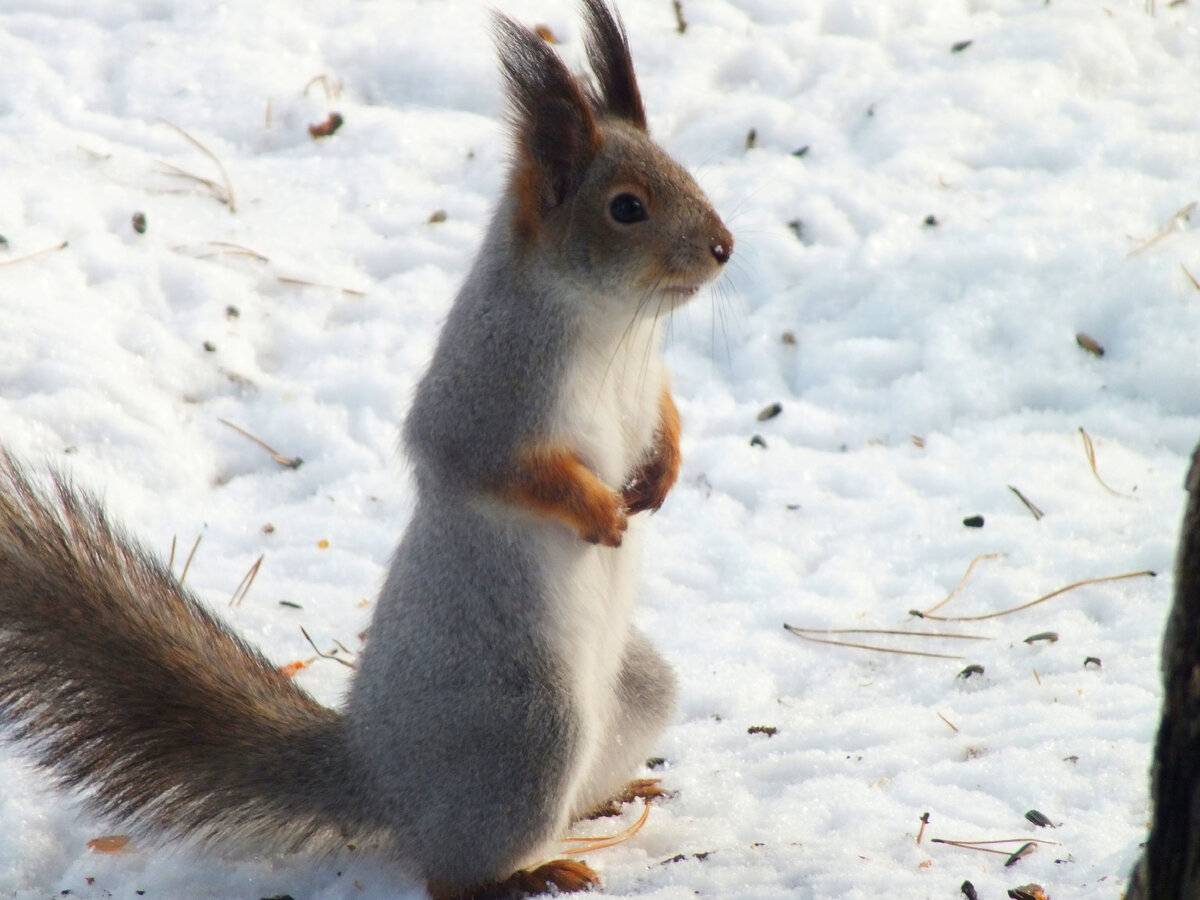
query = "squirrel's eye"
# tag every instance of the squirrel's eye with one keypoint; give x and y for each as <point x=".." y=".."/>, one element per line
<point x="627" y="209"/>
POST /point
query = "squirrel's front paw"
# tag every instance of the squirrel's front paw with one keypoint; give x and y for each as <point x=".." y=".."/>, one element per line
<point x="653" y="479"/>
<point x="554" y="482"/>
<point x="651" y="483"/>
<point x="646" y="492"/>
<point x="607" y="524"/>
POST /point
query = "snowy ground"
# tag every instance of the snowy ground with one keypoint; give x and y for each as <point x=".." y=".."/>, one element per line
<point x="1047" y="151"/>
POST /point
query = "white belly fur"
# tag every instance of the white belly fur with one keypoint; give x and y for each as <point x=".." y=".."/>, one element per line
<point x="608" y="413"/>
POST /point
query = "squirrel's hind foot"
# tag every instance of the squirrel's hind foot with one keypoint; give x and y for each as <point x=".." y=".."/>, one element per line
<point x="569" y="876"/>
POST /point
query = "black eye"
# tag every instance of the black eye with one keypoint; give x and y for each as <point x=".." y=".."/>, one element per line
<point x="627" y="209"/>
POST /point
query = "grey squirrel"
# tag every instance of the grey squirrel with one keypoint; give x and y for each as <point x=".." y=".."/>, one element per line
<point x="1170" y="867"/>
<point x="502" y="691"/>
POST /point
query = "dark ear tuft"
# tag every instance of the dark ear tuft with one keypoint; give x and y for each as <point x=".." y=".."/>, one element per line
<point x="552" y="121"/>
<point x="617" y="92"/>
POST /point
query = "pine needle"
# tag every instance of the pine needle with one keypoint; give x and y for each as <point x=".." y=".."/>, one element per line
<point x="312" y="643"/>
<point x="1173" y="224"/>
<point x="1043" y="598"/>
<point x="28" y="256"/>
<point x="291" y="462"/>
<point x="604" y="842"/>
<point x="902" y="633"/>
<point x="1029" y="505"/>
<point x="1090" y="452"/>
<point x="982" y="846"/>
<point x="243" y="588"/>
<point x="800" y="633"/>
<point x="953" y="727"/>
<point x="958" y="587"/>
<point x="217" y="190"/>
<point x="238" y="249"/>
<point x="300" y="282"/>
<point x="188" y="562"/>
<point x="224" y="191"/>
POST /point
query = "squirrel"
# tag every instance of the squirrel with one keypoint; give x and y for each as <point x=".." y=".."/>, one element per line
<point x="1170" y="867"/>
<point x="503" y="691"/>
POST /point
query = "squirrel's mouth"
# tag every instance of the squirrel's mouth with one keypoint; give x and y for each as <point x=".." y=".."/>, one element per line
<point x="680" y="292"/>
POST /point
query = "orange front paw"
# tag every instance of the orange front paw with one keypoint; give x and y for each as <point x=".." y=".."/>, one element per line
<point x="653" y="479"/>
<point x="649" y="487"/>
<point x="553" y="482"/>
<point x="609" y="524"/>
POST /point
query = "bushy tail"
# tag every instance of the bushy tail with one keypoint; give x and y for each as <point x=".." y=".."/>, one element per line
<point x="1170" y="868"/>
<point x="118" y="682"/>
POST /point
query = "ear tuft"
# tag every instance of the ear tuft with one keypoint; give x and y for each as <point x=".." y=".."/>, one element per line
<point x="552" y="121"/>
<point x="616" y="93"/>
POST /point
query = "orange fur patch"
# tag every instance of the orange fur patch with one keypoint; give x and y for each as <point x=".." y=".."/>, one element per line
<point x="525" y="186"/>
<point x="653" y="480"/>
<point x="553" y="482"/>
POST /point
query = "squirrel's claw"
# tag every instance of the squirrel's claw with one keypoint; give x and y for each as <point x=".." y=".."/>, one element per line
<point x="610" y="533"/>
<point x="641" y="496"/>
<point x="649" y="487"/>
<point x="639" y="789"/>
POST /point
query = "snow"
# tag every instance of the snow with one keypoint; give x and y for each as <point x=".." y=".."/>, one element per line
<point x="1049" y="152"/>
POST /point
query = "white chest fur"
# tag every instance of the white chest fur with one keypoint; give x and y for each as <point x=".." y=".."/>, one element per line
<point x="607" y="412"/>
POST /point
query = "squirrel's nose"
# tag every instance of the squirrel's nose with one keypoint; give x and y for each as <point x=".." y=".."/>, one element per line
<point x="722" y="250"/>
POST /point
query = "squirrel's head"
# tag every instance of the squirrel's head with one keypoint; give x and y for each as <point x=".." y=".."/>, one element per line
<point x="589" y="190"/>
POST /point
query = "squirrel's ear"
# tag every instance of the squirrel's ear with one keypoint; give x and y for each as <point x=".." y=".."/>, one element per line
<point x="552" y="122"/>
<point x="617" y="92"/>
